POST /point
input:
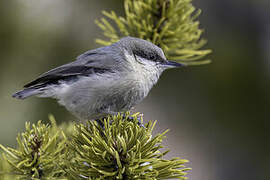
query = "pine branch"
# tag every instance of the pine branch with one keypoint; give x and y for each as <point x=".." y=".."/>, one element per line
<point x="121" y="149"/>
<point x="170" y="24"/>
<point x="39" y="152"/>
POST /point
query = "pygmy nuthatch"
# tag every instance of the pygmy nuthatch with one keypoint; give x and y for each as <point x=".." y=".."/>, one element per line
<point x="103" y="81"/>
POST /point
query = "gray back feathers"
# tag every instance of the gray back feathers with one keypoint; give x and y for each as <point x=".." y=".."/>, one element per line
<point x="98" y="61"/>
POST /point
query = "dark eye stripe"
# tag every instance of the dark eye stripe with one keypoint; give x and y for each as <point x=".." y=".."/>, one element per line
<point x="141" y="54"/>
<point x="149" y="54"/>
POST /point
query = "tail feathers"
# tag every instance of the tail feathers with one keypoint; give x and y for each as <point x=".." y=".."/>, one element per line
<point x="25" y="93"/>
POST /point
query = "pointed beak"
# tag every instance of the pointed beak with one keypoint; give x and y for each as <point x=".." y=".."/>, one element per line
<point x="172" y="64"/>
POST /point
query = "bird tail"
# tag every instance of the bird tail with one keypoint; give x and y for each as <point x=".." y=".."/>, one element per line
<point x="25" y="93"/>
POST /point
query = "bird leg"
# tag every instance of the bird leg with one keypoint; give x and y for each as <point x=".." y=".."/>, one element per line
<point x="100" y="121"/>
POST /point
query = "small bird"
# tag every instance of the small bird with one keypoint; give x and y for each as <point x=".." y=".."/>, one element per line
<point x="103" y="81"/>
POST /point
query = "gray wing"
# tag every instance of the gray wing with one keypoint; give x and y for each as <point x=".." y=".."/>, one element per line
<point x="91" y="62"/>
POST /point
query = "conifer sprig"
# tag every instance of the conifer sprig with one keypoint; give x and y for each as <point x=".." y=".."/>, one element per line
<point x="121" y="150"/>
<point x="170" y="24"/>
<point x="39" y="152"/>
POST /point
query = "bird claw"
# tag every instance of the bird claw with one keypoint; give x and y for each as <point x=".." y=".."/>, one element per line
<point x="139" y="118"/>
<point x="131" y="118"/>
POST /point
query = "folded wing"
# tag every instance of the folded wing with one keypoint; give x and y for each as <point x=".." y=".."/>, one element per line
<point x="91" y="62"/>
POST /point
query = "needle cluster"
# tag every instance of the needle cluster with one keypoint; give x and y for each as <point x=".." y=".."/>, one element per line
<point x="170" y="24"/>
<point x="121" y="149"/>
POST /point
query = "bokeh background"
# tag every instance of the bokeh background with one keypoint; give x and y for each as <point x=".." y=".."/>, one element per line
<point x="218" y="114"/>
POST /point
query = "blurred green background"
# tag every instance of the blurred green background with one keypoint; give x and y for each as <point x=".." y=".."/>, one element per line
<point x="218" y="114"/>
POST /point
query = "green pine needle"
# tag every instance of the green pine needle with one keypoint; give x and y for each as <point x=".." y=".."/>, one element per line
<point x="170" y="24"/>
<point x="122" y="150"/>
<point x="39" y="152"/>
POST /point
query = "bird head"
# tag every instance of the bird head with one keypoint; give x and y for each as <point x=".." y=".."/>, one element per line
<point x="147" y="54"/>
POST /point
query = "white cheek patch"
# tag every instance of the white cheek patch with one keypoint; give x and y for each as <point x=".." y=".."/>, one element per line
<point x="146" y="72"/>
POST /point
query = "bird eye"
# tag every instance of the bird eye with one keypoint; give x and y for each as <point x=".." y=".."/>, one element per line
<point x="152" y="57"/>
